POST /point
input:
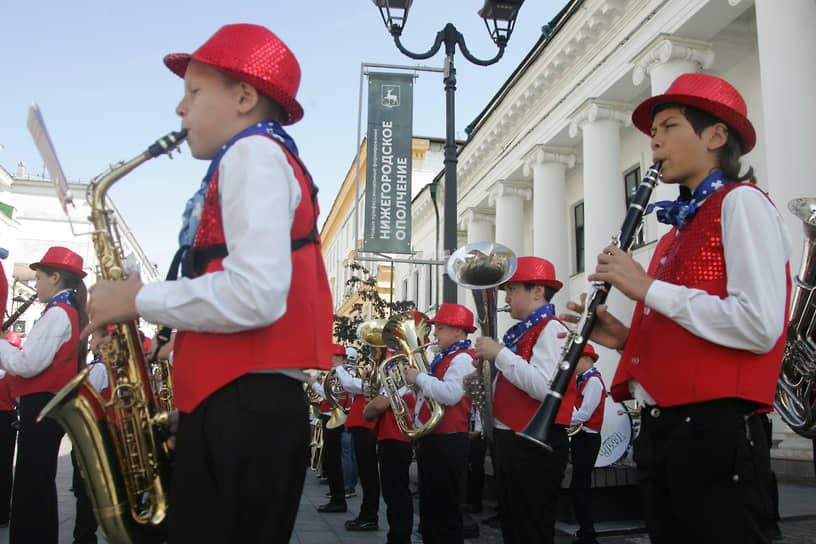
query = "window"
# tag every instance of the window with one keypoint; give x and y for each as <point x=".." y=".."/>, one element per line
<point x="405" y="289"/>
<point x="631" y="181"/>
<point x="578" y="216"/>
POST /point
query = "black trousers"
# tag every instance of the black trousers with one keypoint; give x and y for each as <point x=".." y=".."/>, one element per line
<point x="584" y="448"/>
<point x="333" y="461"/>
<point x="85" y="522"/>
<point x="34" y="496"/>
<point x="698" y="475"/>
<point x="365" y="449"/>
<point x="441" y="462"/>
<point x="395" y="460"/>
<point x="239" y="467"/>
<point x="8" y="436"/>
<point x="475" y="472"/>
<point x="528" y="480"/>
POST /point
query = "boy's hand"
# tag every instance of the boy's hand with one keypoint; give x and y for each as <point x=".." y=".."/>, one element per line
<point x="622" y="271"/>
<point x="111" y="302"/>
<point x="411" y="374"/>
<point x="487" y="348"/>
<point x="608" y="330"/>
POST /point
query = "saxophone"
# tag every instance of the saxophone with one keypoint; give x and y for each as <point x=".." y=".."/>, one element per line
<point x="120" y="445"/>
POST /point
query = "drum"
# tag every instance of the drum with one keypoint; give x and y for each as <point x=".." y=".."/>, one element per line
<point x="616" y="433"/>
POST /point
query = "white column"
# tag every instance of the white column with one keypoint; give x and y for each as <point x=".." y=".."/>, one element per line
<point x="478" y="223"/>
<point x="550" y="222"/>
<point x="604" y="202"/>
<point x="662" y="61"/>
<point x="508" y="197"/>
<point x="787" y="72"/>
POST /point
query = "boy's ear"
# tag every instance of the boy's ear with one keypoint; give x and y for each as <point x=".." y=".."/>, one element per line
<point x="247" y="97"/>
<point x="716" y="136"/>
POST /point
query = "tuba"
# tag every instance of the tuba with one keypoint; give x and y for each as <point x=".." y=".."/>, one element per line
<point x="120" y="445"/>
<point x="407" y="333"/>
<point x="795" y="398"/>
<point x="482" y="267"/>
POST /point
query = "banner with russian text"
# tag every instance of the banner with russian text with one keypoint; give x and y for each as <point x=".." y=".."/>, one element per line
<point x="388" y="173"/>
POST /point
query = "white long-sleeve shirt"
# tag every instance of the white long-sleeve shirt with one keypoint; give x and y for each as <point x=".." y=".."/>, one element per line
<point x="47" y="335"/>
<point x="259" y="195"/>
<point x="593" y="395"/>
<point x="447" y="391"/>
<point x="534" y="377"/>
<point x="757" y="246"/>
<point x="350" y="383"/>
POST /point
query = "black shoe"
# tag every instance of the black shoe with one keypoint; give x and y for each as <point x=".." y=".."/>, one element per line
<point x="332" y="508"/>
<point x="359" y="525"/>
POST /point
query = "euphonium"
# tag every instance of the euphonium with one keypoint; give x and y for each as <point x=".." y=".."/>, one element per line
<point x="370" y="333"/>
<point x="482" y="267"/>
<point x="407" y="333"/>
<point x="337" y="396"/>
<point x="795" y="394"/>
<point x="120" y="445"/>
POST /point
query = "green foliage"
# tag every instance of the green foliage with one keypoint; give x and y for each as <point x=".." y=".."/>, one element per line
<point x="365" y="285"/>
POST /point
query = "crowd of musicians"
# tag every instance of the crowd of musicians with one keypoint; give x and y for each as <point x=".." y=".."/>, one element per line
<point x="252" y="310"/>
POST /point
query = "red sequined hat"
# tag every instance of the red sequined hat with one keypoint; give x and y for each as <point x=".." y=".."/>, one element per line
<point x="589" y="350"/>
<point x="61" y="258"/>
<point x="454" y="315"/>
<point x="705" y="92"/>
<point x="254" y="55"/>
<point x="534" y="270"/>
<point x="338" y="349"/>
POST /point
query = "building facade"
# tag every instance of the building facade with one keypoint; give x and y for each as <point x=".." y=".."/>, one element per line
<point x="32" y="220"/>
<point x="552" y="159"/>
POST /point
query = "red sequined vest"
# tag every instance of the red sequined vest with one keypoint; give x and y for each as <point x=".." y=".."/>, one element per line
<point x="514" y="407"/>
<point x="455" y="419"/>
<point x="301" y="338"/>
<point x="675" y="366"/>
<point x="61" y="369"/>
<point x="595" y="421"/>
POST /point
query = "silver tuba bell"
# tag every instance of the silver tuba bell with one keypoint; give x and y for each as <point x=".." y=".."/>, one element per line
<point x="795" y="394"/>
<point x="482" y="267"/>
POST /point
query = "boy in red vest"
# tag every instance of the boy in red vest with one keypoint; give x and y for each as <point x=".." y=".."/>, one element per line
<point x="394" y="454"/>
<point x="442" y="454"/>
<point x="254" y="308"/>
<point x="708" y="332"/>
<point x="584" y="445"/>
<point x="364" y="443"/>
<point x="528" y="477"/>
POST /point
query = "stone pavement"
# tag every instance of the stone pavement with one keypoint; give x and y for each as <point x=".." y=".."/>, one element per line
<point x="797" y="506"/>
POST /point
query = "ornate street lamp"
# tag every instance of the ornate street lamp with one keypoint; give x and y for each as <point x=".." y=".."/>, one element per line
<point x="500" y="18"/>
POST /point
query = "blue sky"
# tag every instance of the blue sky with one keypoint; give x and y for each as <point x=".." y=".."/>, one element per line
<point x="95" y="68"/>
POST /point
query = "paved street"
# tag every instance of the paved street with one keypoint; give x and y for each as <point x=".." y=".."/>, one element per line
<point x="797" y="507"/>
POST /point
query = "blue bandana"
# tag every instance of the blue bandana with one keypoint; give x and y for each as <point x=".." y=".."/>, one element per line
<point x="192" y="211"/>
<point x="67" y="296"/>
<point x="442" y="353"/>
<point x="680" y="211"/>
<point x="585" y="376"/>
<point x="511" y="337"/>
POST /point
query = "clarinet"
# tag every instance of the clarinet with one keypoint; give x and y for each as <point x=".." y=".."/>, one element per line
<point x="538" y="428"/>
<point x="16" y="315"/>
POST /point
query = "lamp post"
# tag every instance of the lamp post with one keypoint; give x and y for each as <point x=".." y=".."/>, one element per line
<point x="500" y="18"/>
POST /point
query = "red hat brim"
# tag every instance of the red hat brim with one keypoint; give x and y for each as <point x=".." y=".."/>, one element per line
<point x="467" y="328"/>
<point x="59" y="266"/>
<point x="177" y="63"/>
<point x="642" y="116"/>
